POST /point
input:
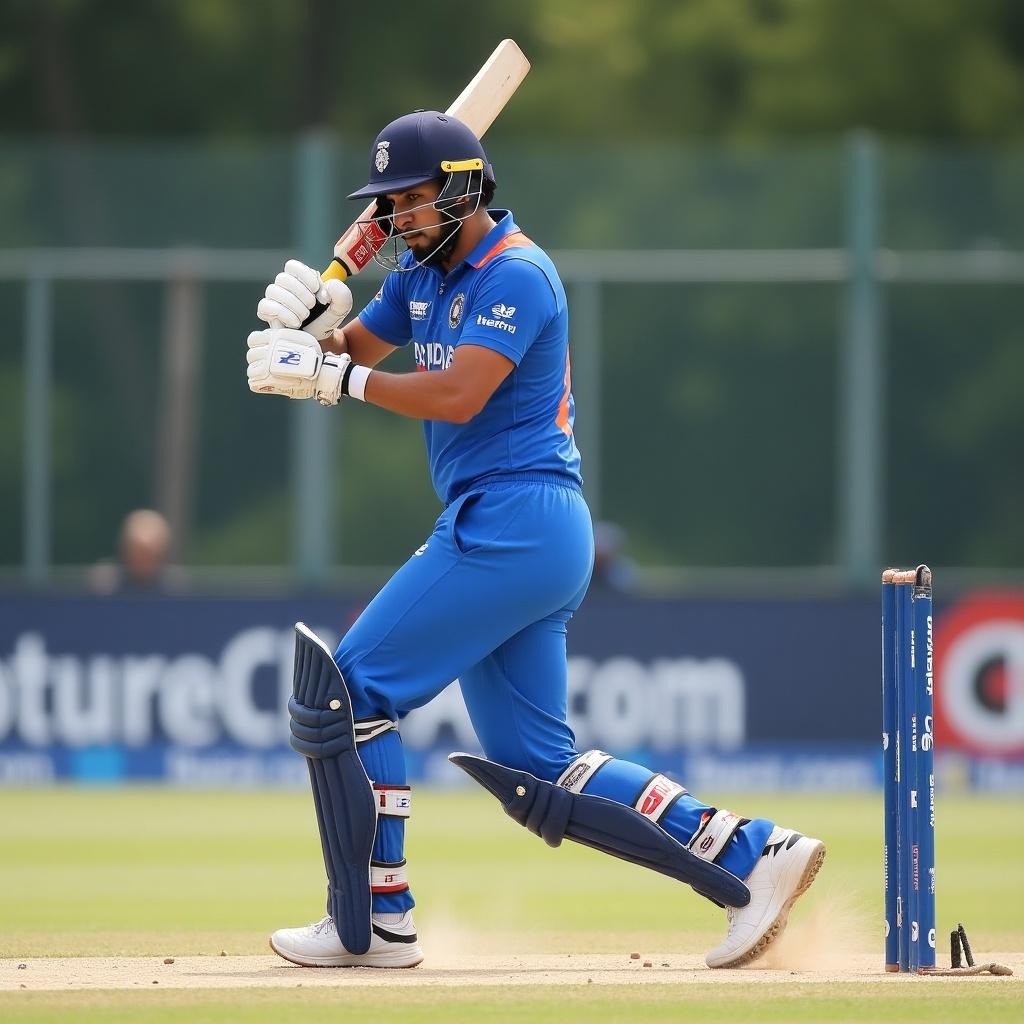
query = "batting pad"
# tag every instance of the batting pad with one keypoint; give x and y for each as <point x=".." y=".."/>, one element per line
<point x="323" y="730"/>
<point x="554" y="814"/>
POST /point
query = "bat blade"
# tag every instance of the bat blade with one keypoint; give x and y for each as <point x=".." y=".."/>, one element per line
<point x="477" y="106"/>
<point x="492" y="87"/>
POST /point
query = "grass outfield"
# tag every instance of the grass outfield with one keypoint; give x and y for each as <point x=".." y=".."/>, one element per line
<point x="654" y="1004"/>
<point x="161" y="873"/>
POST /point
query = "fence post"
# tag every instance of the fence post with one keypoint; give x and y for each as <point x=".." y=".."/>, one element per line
<point x="181" y="356"/>
<point x="585" y="330"/>
<point x="860" y="427"/>
<point x="38" y="443"/>
<point x="313" y="520"/>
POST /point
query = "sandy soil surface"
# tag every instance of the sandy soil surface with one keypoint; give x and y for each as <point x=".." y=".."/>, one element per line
<point x="219" y="972"/>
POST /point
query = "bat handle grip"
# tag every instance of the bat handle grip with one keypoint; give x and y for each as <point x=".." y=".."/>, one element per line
<point x="336" y="271"/>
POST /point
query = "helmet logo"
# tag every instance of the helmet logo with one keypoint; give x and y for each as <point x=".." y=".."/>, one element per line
<point x="380" y="161"/>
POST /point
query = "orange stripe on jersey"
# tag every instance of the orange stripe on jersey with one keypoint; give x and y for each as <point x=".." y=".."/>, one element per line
<point x="562" y="419"/>
<point x="515" y="240"/>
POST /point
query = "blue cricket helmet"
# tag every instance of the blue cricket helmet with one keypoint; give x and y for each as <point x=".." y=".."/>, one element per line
<point x="422" y="146"/>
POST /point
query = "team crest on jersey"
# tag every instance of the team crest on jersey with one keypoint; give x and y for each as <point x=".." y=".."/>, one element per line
<point x="455" y="313"/>
<point x="380" y="161"/>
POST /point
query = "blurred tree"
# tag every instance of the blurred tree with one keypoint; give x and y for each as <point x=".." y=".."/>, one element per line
<point x="755" y="69"/>
<point x="734" y="69"/>
<point x="746" y="377"/>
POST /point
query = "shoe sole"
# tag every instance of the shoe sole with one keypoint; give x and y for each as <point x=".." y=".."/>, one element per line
<point x="379" y="960"/>
<point x="778" y="926"/>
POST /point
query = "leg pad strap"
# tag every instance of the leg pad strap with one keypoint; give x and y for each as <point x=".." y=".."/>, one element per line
<point x="713" y="833"/>
<point x="554" y="814"/>
<point x="385" y="877"/>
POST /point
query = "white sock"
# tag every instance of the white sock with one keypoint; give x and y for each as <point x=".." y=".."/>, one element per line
<point x="388" y="918"/>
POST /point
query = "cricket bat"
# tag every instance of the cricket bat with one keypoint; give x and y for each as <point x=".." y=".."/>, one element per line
<point x="477" y="106"/>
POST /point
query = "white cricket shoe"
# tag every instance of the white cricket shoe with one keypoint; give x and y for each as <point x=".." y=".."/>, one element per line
<point x="784" y="871"/>
<point x="318" y="945"/>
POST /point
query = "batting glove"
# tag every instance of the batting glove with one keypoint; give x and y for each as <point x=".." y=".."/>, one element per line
<point x="283" y="361"/>
<point x="296" y="292"/>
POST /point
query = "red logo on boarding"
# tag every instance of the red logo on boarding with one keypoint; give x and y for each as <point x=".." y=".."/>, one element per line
<point x="979" y="674"/>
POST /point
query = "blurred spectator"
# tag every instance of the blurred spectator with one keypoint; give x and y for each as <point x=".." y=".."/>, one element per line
<point x="142" y="557"/>
<point x="612" y="569"/>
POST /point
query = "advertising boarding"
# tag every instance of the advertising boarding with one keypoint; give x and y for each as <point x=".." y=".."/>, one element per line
<point x="719" y="693"/>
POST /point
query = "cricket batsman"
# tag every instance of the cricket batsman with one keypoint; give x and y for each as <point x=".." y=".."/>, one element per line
<point x="488" y="595"/>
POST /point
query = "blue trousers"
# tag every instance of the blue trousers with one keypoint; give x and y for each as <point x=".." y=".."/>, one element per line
<point x="486" y="600"/>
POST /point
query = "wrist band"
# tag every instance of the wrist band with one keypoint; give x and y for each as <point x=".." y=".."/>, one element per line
<point x="353" y="382"/>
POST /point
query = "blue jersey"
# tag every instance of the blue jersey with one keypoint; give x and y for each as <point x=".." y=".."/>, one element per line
<point x="506" y="296"/>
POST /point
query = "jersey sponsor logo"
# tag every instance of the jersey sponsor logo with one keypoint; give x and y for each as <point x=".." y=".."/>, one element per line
<point x="420" y="550"/>
<point x="432" y="355"/>
<point x="455" y="313"/>
<point x="501" y="325"/>
<point x="380" y="161"/>
<point x="290" y="359"/>
<point x="418" y="310"/>
<point x="503" y="311"/>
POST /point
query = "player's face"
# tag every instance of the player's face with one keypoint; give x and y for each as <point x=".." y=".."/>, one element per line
<point x="416" y="220"/>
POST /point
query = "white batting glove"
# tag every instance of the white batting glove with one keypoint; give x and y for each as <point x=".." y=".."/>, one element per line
<point x="291" y="296"/>
<point x="283" y="361"/>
